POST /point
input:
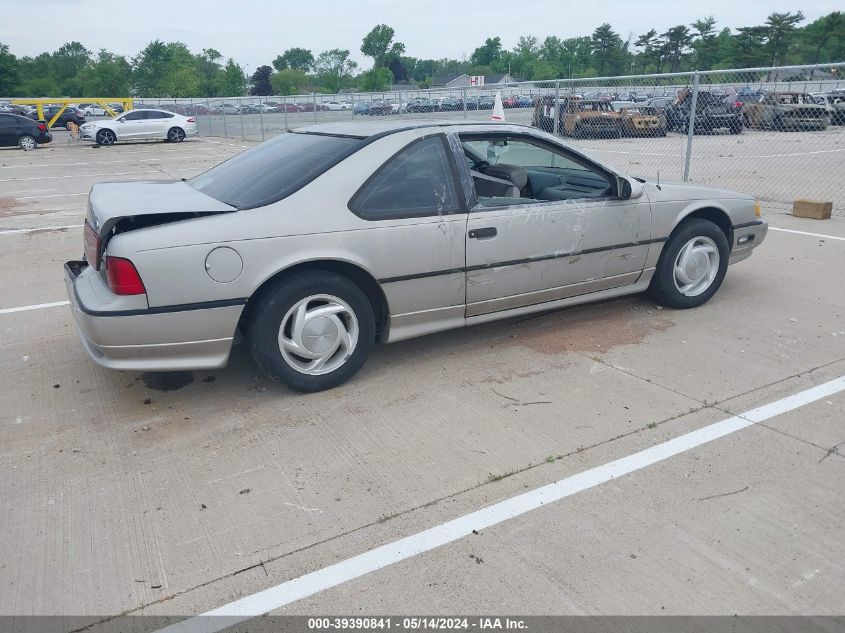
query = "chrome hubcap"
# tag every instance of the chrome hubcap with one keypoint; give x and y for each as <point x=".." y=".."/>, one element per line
<point x="28" y="144"/>
<point x="696" y="266"/>
<point x="318" y="334"/>
<point x="176" y="135"/>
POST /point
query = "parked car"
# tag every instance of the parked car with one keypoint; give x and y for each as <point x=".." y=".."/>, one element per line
<point x="639" y="119"/>
<point x="92" y="109"/>
<point x="116" y="107"/>
<point x="712" y="113"/>
<point x="450" y="104"/>
<point x="486" y="102"/>
<point x="293" y="245"/>
<point x="310" y="106"/>
<point x="13" y="108"/>
<point x="338" y="105"/>
<point x="511" y="101"/>
<point x="141" y="124"/>
<point x="225" y="108"/>
<point x="834" y="104"/>
<point x="361" y="107"/>
<point x="69" y="115"/>
<point x="379" y="108"/>
<point x="786" y="111"/>
<point x="21" y="131"/>
<point x="421" y="105"/>
<point x="578" y="117"/>
<point x="471" y="103"/>
<point x="660" y="103"/>
<point x="524" y="102"/>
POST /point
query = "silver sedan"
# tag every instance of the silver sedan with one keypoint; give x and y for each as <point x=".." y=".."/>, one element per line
<point x="315" y="244"/>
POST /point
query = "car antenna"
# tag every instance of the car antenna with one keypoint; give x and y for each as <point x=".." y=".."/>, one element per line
<point x="658" y="179"/>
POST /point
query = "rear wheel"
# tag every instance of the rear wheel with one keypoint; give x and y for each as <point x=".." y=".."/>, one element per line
<point x="106" y="137"/>
<point x="692" y="265"/>
<point x="312" y="331"/>
<point x="176" y="135"/>
<point x="27" y="143"/>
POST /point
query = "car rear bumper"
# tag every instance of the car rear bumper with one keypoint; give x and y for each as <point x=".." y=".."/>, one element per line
<point x="156" y="339"/>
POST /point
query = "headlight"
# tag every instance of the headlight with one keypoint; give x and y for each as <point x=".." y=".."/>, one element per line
<point x="758" y="209"/>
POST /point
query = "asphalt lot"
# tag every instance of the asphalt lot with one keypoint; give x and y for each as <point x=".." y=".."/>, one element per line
<point x="151" y="494"/>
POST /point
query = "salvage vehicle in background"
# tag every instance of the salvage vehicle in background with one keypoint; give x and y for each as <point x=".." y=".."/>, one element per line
<point x="834" y="104"/>
<point x="316" y="243"/>
<point x="578" y="117"/>
<point x="21" y="131"/>
<point x="712" y="113"/>
<point x="141" y="124"/>
<point x="639" y="119"/>
<point x="69" y="115"/>
<point x="787" y="111"/>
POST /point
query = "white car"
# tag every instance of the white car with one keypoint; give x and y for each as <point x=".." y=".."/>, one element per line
<point x="141" y="124"/>
<point x="338" y="105"/>
<point x="95" y="110"/>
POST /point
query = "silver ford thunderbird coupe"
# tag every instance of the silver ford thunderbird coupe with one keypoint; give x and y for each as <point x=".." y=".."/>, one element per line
<point x="315" y="244"/>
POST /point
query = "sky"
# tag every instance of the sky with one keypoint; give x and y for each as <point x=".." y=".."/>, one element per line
<point x="253" y="32"/>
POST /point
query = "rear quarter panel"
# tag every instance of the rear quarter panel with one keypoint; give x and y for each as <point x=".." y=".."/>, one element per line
<point x="312" y="224"/>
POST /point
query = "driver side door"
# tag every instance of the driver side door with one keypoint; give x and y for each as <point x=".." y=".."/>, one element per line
<point x="567" y="234"/>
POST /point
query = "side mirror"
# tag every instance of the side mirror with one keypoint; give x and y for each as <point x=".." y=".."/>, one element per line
<point x="625" y="190"/>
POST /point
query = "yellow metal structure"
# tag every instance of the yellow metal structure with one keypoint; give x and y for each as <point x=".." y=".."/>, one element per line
<point x="64" y="103"/>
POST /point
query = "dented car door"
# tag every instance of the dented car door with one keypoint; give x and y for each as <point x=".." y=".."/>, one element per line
<point x="522" y="252"/>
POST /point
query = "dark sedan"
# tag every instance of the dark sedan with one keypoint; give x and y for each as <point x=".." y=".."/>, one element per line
<point x="70" y="115"/>
<point x="23" y="132"/>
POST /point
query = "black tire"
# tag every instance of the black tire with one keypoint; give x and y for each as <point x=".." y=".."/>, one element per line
<point x="175" y="135"/>
<point x="663" y="288"/>
<point x="736" y="127"/>
<point x="27" y="142"/>
<point x="106" y="137"/>
<point x="272" y="308"/>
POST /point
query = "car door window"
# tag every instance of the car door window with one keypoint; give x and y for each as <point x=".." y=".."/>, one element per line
<point x="417" y="182"/>
<point x="513" y="171"/>
<point x="135" y="115"/>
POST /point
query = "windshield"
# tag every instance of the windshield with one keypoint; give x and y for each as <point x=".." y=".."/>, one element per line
<point x="274" y="169"/>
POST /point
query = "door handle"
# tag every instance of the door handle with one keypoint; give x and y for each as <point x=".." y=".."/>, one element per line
<point x="489" y="231"/>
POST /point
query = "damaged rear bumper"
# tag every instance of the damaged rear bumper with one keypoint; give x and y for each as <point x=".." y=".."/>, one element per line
<point x="172" y="338"/>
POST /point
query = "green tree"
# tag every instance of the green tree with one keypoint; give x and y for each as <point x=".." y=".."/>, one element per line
<point x="296" y="59"/>
<point x="288" y="81"/>
<point x="66" y="63"/>
<point x="607" y="49"/>
<point x="676" y="42"/>
<point x="375" y="80"/>
<point x="780" y="33"/>
<point x="210" y="71"/>
<point x="648" y="44"/>
<point x="109" y="75"/>
<point x="333" y="68"/>
<point x="8" y="71"/>
<point x="487" y="53"/>
<point x="704" y="42"/>
<point x="379" y="43"/>
<point x="822" y="40"/>
<point x="232" y="80"/>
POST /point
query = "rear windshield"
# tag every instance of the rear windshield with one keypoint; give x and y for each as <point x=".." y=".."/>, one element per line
<point x="274" y="169"/>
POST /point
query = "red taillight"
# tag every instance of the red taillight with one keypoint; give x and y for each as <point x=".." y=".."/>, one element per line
<point x="42" y="127"/>
<point x="738" y="104"/>
<point x="192" y="120"/>
<point x="123" y="277"/>
<point x="91" y="242"/>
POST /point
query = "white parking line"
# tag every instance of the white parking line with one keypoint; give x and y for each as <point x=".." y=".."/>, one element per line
<point x="52" y="195"/>
<point x="287" y="592"/>
<point x="43" y="228"/>
<point x="827" y="237"/>
<point x="37" y="306"/>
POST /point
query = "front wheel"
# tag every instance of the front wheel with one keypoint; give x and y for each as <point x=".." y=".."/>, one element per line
<point x="692" y="265"/>
<point x="312" y="331"/>
<point x="27" y="143"/>
<point x="106" y="137"/>
<point x="176" y="135"/>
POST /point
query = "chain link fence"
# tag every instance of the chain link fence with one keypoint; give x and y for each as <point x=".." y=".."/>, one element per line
<point x="777" y="133"/>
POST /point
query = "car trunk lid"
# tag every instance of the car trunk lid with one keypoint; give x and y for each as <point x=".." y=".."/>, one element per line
<point x="117" y="207"/>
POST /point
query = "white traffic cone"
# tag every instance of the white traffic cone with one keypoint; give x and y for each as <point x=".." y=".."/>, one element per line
<point x="498" y="109"/>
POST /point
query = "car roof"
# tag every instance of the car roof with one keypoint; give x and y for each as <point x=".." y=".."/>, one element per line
<point x="369" y="129"/>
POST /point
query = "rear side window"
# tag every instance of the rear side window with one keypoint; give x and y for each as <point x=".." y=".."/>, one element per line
<point x="135" y="115"/>
<point x="274" y="169"/>
<point x="151" y="114"/>
<point x="416" y="182"/>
